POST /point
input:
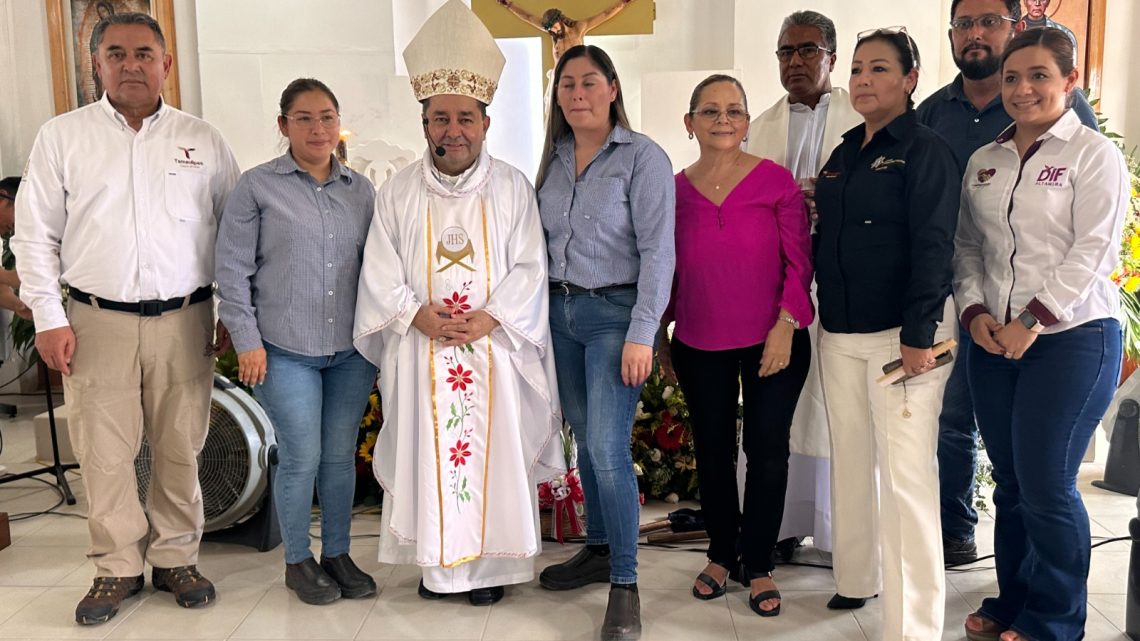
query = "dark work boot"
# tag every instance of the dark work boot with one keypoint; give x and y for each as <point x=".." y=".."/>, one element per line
<point x="311" y="583"/>
<point x="103" y="599"/>
<point x="623" y="615"/>
<point x="585" y="567"/>
<point x="191" y="589"/>
<point x="354" y="583"/>
<point x="956" y="553"/>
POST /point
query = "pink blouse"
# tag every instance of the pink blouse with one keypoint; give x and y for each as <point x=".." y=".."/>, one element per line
<point x="739" y="263"/>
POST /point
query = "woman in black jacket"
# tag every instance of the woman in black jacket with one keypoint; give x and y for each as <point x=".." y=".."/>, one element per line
<point x="888" y="204"/>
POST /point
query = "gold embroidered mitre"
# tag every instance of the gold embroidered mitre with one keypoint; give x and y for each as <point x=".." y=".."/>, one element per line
<point x="454" y="53"/>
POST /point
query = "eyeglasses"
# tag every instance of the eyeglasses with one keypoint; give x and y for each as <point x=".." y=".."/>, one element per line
<point x="734" y="114"/>
<point x="807" y="52"/>
<point x="989" y="22"/>
<point x="305" y="121"/>
<point x="889" y="31"/>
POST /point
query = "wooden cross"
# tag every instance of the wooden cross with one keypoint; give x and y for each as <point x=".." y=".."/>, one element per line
<point x="635" y="18"/>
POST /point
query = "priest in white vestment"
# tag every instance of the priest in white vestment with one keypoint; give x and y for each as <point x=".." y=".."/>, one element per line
<point x="452" y="307"/>
<point x="799" y="132"/>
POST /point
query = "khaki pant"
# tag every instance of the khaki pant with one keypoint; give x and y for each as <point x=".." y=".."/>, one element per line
<point x="132" y="374"/>
<point x="886" y="515"/>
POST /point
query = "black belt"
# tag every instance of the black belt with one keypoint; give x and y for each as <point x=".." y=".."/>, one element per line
<point x="146" y="307"/>
<point x="570" y="289"/>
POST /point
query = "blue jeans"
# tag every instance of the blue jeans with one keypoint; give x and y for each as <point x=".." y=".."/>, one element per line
<point x="315" y="404"/>
<point x="588" y="332"/>
<point x="1037" y="416"/>
<point x="958" y="450"/>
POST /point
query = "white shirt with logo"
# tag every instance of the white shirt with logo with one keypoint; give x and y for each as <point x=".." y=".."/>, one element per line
<point x="1042" y="234"/>
<point x="123" y="215"/>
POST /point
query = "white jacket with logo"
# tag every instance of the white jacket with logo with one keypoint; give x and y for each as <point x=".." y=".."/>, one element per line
<point x="1042" y="234"/>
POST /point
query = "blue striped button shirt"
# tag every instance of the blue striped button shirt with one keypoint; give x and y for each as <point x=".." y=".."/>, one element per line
<point x="613" y="224"/>
<point x="288" y="257"/>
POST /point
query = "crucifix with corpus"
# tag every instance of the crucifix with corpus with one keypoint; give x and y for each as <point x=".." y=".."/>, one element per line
<point x="566" y="27"/>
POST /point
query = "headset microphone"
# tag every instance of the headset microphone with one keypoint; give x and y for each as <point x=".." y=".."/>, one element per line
<point x="439" y="150"/>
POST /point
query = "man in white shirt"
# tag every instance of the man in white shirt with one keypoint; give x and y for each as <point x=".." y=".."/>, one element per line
<point x="453" y="308"/>
<point x="120" y="202"/>
<point x="799" y="132"/>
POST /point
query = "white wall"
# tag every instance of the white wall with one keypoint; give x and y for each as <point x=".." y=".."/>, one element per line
<point x="25" y="74"/>
<point x="1120" y="89"/>
<point x="235" y="57"/>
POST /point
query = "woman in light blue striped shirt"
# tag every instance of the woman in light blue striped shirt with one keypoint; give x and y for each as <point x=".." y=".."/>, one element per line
<point x="287" y="260"/>
<point x="605" y="196"/>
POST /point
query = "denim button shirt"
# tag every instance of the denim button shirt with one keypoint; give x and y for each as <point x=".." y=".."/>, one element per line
<point x="613" y="224"/>
<point x="288" y="257"/>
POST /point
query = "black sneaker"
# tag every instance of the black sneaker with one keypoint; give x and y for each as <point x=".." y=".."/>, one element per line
<point x="354" y="583"/>
<point x="311" y="583"/>
<point x="191" y="589"/>
<point x="959" y="553"/>
<point x="584" y="568"/>
<point x="103" y="599"/>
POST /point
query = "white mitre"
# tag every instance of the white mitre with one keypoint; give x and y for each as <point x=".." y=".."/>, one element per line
<point x="454" y="53"/>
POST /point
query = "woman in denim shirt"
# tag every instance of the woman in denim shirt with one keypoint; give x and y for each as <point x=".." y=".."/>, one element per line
<point x="606" y="198"/>
<point x="290" y="244"/>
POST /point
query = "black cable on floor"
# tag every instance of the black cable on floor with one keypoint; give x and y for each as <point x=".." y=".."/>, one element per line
<point x="23" y="516"/>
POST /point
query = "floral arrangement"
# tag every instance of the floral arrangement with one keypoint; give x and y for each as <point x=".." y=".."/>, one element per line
<point x="664" y="457"/>
<point x="368" y="490"/>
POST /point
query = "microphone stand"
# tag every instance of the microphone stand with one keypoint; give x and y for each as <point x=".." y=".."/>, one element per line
<point x="57" y="468"/>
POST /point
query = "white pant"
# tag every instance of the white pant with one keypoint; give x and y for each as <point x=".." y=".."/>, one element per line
<point x="873" y="444"/>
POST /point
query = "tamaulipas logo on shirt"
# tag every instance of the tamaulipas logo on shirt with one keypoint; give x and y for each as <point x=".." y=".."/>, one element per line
<point x="1052" y="176"/>
<point x="188" y="161"/>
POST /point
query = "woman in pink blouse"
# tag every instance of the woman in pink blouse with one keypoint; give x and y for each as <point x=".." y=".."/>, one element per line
<point x="741" y="303"/>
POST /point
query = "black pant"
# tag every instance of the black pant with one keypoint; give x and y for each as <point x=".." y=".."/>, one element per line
<point x="712" y="381"/>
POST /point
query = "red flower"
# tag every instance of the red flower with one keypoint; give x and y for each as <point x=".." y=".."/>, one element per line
<point x="460" y="378"/>
<point x="671" y="434"/>
<point x="545" y="496"/>
<point x="457" y="303"/>
<point x="460" y="452"/>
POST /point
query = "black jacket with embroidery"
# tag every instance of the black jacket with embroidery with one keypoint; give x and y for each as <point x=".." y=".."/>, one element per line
<point x="885" y="237"/>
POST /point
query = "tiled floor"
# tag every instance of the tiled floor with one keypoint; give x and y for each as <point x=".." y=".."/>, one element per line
<point x="44" y="574"/>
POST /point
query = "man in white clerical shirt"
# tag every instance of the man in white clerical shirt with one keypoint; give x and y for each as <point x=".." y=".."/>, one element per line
<point x="452" y="308"/>
<point x="799" y="132"/>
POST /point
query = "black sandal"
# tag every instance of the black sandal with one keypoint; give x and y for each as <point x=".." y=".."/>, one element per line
<point x="718" y="589"/>
<point x="755" y="601"/>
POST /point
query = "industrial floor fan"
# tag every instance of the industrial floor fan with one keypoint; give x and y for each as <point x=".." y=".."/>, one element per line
<point x="235" y="469"/>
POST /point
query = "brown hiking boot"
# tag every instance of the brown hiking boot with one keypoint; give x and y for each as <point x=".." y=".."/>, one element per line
<point x="103" y="599"/>
<point x="191" y="590"/>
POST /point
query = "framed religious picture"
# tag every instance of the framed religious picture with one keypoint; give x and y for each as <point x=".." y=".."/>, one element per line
<point x="70" y="23"/>
<point x="1083" y="22"/>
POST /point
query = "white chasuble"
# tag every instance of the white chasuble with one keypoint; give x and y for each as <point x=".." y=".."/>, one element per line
<point x="469" y="431"/>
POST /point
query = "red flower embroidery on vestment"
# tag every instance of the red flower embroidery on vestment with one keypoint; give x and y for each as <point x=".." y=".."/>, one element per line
<point x="460" y="452"/>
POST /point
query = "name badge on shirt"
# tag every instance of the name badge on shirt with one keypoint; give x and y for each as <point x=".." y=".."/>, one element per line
<point x="830" y="174"/>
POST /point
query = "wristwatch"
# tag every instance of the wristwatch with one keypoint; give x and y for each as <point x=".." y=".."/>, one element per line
<point x="790" y="320"/>
<point x="1029" y="321"/>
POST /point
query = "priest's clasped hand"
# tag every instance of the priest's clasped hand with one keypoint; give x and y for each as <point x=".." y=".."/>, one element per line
<point x="451" y="328"/>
